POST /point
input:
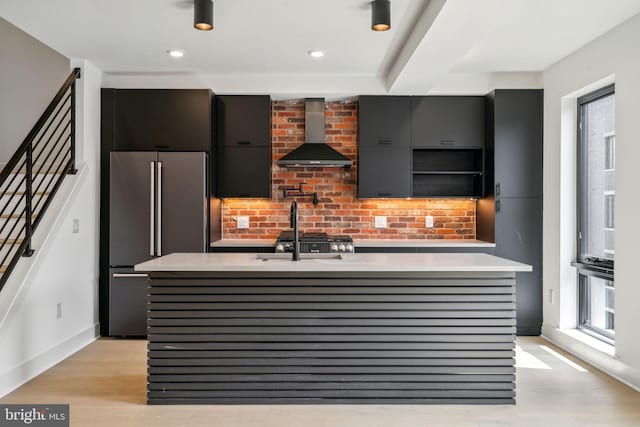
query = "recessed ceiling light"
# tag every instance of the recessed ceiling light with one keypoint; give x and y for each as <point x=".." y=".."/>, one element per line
<point x="175" y="53"/>
<point x="316" y="53"/>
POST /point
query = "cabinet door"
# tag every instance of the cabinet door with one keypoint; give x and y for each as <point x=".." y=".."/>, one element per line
<point x="182" y="203"/>
<point x="518" y="142"/>
<point x="244" y="172"/>
<point x="384" y="120"/>
<point x="162" y="119"/>
<point x="518" y="229"/>
<point x="244" y="120"/>
<point x="384" y="172"/>
<point x="127" y="303"/>
<point x="447" y="121"/>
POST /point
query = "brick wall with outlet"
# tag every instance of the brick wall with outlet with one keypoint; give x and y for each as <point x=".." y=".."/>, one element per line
<point x="339" y="210"/>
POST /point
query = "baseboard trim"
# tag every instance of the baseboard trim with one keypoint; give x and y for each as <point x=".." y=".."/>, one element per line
<point x="605" y="362"/>
<point x="528" y="331"/>
<point x="19" y="375"/>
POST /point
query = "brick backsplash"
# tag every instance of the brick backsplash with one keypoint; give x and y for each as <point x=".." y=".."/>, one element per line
<point x="339" y="210"/>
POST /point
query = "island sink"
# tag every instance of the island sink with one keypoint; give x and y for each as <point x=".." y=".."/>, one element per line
<point x="287" y="256"/>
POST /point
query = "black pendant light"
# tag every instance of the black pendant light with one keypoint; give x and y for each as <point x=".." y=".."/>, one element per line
<point x="380" y="15"/>
<point x="203" y="15"/>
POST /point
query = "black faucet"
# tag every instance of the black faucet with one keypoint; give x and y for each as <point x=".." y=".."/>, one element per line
<point x="294" y="225"/>
<point x="299" y="192"/>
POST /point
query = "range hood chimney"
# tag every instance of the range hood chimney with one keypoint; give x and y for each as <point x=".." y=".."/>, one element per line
<point x="314" y="152"/>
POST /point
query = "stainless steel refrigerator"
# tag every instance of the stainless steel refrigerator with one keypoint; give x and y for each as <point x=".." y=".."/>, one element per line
<point x="158" y="205"/>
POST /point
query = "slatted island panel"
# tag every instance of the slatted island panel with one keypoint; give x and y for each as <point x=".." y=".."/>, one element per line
<point x="359" y="337"/>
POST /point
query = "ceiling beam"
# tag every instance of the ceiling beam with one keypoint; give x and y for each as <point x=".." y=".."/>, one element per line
<point x="413" y="40"/>
<point x="448" y="36"/>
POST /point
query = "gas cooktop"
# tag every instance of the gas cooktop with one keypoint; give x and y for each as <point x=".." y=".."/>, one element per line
<point x="314" y="243"/>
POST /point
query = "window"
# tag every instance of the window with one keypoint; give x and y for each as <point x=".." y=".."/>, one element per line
<point x="596" y="212"/>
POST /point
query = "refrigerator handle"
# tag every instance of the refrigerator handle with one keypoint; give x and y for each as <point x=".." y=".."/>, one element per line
<point x="152" y="213"/>
<point x="159" y="208"/>
<point x="120" y="275"/>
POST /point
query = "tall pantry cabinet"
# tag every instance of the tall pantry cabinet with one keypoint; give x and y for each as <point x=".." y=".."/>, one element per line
<point x="511" y="214"/>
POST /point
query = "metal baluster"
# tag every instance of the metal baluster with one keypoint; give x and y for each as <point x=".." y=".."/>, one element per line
<point x="72" y="165"/>
<point x="28" y="251"/>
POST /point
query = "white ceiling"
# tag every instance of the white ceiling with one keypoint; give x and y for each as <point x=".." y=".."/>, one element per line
<point x="260" y="46"/>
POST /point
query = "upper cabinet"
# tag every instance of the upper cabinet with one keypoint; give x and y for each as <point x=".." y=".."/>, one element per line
<point x="384" y="146"/>
<point x="447" y="121"/>
<point x="243" y="146"/>
<point x="427" y="146"/>
<point x="244" y="120"/>
<point x="516" y="142"/>
<point x="159" y="119"/>
<point x="384" y="121"/>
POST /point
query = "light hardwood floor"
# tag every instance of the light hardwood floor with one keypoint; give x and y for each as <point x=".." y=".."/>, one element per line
<point x="105" y="385"/>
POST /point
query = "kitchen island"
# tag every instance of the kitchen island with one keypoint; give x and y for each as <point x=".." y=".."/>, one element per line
<point x="366" y="328"/>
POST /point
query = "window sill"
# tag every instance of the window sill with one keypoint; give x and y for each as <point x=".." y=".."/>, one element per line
<point x="590" y="341"/>
<point x="594" y="352"/>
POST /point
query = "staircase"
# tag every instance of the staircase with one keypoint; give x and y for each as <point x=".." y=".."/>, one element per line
<point x="33" y="175"/>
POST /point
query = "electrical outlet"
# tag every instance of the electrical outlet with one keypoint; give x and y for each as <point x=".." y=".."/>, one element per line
<point x="75" y="229"/>
<point x="428" y="221"/>
<point x="242" y="222"/>
<point x="59" y="310"/>
<point x="380" y="222"/>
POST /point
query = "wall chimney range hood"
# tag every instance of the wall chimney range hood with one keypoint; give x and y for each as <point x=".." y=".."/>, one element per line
<point x="314" y="152"/>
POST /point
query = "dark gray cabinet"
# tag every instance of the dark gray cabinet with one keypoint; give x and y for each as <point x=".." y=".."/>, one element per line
<point x="384" y="172"/>
<point x="244" y="172"/>
<point x="518" y="237"/>
<point x="244" y="120"/>
<point x="421" y="146"/>
<point x="517" y="148"/>
<point x="511" y="214"/>
<point x="384" y="121"/>
<point x="160" y="119"/>
<point x="384" y="165"/>
<point x="447" y="121"/>
<point x="243" y="146"/>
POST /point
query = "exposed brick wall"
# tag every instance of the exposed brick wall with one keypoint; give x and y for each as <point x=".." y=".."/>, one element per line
<point x="339" y="211"/>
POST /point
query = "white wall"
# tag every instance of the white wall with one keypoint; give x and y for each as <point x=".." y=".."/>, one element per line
<point x="613" y="57"/>
<point x="30" y="75"/>
<point x="64" y="268"/>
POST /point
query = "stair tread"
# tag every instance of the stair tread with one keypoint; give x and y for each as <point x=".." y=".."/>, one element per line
<point x="37" y="193"/>
<point x="3" y="269"/>
<point x="15" y="216"/>
<point x="10" y="241"/>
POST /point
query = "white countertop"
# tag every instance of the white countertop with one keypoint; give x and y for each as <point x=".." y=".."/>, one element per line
<point x="367" y="243"/>
<point x="382" y="262"/>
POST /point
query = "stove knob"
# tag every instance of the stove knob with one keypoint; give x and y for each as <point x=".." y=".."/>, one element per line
<point x="279" y="247"/>
<point x="334" y="247"/>
<point x="341" y="248"/>
<point x="349" y="248"/>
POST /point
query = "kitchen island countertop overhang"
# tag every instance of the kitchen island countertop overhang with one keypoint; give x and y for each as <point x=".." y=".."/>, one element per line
<point x="368" y="262"/>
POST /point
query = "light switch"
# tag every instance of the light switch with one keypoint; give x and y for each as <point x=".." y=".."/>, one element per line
<point x="380" y="222"/>
<point x="242" y="222"/>
<point x="428" y="221"/>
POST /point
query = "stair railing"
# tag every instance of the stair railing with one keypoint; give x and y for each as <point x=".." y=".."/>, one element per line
<point x="33" y="175"/>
